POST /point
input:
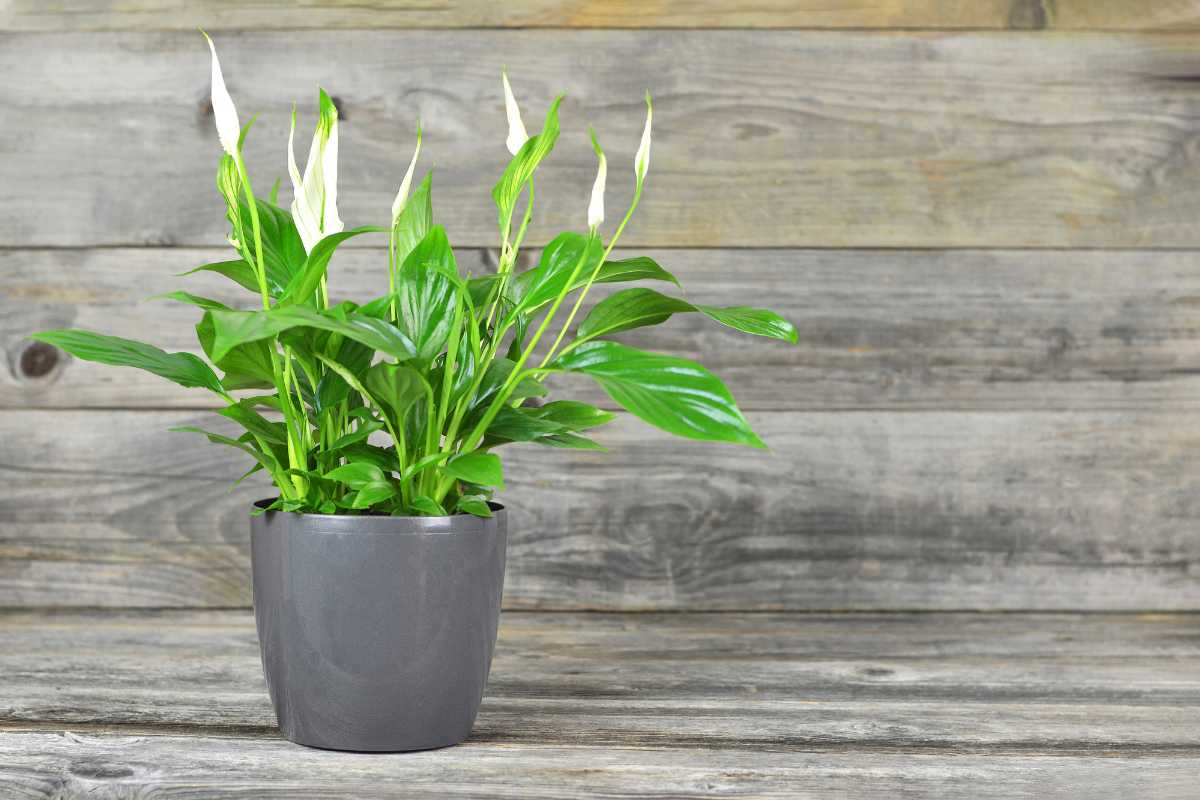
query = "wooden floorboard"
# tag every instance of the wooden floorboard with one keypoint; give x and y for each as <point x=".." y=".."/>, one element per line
<point x="762" y="138"/>
<point x="641" y="705"/>
<point x="994" y="330"/>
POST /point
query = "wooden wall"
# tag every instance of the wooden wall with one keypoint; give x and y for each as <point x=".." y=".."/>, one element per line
<point x="983" y="217"/>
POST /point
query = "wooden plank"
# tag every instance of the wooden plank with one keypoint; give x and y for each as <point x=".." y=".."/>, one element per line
<point x="632" y="706"/>
<point x="66" y="766"/>
<point x="979" y="330"/>
<point x="104" y="15"/>
<point x="763" y="138"/>
<point x="926" y="510"/>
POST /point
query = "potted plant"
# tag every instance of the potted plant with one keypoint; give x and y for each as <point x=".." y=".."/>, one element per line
<point x="378" y="568"/>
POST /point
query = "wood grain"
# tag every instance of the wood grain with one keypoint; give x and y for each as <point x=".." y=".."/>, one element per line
<point x="863" y="510"/>
<point x="656" y="705"/>
<point x="977" y="330"/>
<point x="763" y="138"/>
<point x="104" y="15"/>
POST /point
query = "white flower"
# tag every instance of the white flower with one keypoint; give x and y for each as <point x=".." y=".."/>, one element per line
<point x="402" y="195"/>
<point x="516" y="129"/>
<point x="641" y="162"/>
<point x="596" y="206"/>
<point x="228" y="129"/>
<point x="314" y="204"/>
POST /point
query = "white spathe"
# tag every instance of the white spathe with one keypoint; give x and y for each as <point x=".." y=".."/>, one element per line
<point x="516" y="128"/>
<point x="402" y="195"/>
<point x="596" y="206"/>
<point x="228" y="128"/>
<point x="314" y="203"/>
<point x="641" y="162"/>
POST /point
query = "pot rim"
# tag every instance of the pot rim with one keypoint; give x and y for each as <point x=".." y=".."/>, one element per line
<point x="423" y="523"/>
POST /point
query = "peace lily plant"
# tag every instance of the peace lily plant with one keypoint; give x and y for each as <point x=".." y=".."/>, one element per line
<point x="397" y="406"/>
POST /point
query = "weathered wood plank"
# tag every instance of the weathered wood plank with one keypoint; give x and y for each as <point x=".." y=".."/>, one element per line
<point x="632" y="706"/>
<point x="848" y="511"/>
<point x="994" y="330"/>
<point x="104" y="15"/>
<point x="67" y="766"/>
<point x="764" y="138"/>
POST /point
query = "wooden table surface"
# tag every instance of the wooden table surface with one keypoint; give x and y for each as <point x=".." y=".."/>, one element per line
<point x="172" y="703"/>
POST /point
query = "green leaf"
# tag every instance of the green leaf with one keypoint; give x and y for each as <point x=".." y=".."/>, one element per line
<point x="631" y="308"/>
<point x="571" y="441"/>
<point x="182" y="368"/>
<point x="573" y="414"/>
<point x="371" y="484"/>
<point x="522" y="166"/>
<point x="674" y="394"/>
<point x="382" y="457"/>
<point x="305" y="282"/>
<point x="206" y="303"/>
<point x="427" y="506"/>
<point x="373" y="495"/>
<point x="415" y="220"/>
<point x="237" y="270"/>
<point x="357" y="474"/>
<point x="520" y="425"/>
<point x="639" y="307"/>
<point x="359" y="434"/>
<point x="396" y="386"/>
<point x="640" y="268"/>
<point x="268" y="461"/>
<point x="368" y="480"/>
<point x="483" y="469"/>
<point x="757" y="321"/>
<point x="233" y="328"/>
<point x="473" y="504"/>
<point x="255" y="423"/>
<point x="540" y="285"/>
<point x="246" y="366"/>
<point x="425" y="290"/>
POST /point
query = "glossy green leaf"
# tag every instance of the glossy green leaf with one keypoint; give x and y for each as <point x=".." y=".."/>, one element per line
<point x="207" y="303"/>
<point x="482" y="469"/>
<point x="640" y="268"/>
<point x="233" y="328"/>
<point x="258" y="425"/>
<point x="268" y="461"/>
<point x="571" y="441"/>
<point x="396" y="386"/>
<point x="566" y="255"/>
<point x="427" y="506"/>
<point x="674" y="394"/>
<point x="370" y="483"/>
<point x="474" y="504"/>
<point x="184" y="369"/>
<point x="520" y="425"/>
<point x="522" y="166"/>
<point x="757" y="321"/>
<point x="304" y="284"/>
<point x="425" y="290"/>
<point x="415" y="220"/>
<point x="237" y="270"/>
<point x="639" y="307"/>
<point x="573" y="415"/>
<point x="627" y="309"/>
<point x="359" y="434"/>
<point x="246" y="366"/>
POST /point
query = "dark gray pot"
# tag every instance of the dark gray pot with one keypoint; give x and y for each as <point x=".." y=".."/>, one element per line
<point x="377" y="632"/>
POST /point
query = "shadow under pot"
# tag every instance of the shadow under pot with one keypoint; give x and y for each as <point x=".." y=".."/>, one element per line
<point x="377" y="632"/>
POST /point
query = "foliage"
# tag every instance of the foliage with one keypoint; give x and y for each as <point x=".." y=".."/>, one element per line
<point x="396" y="406"/>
